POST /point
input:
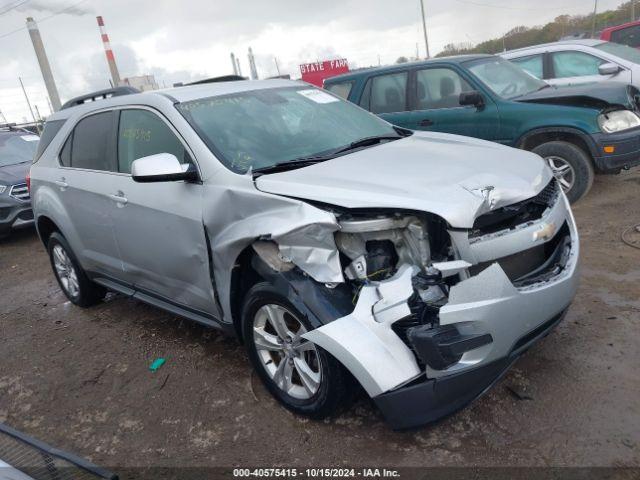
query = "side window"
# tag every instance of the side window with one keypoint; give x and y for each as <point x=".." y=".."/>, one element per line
<point x="65" y="153"/>
<point x="142" y="133"/>
<point x="341" y="89"/>
<point x="439" y="88"/>
<point x="91" y="147"/>
<point x="531" y="64"/>
<point x="51" y="128"/>
<point x="627" y="36"/>
<point x="575" y="64"/>
<point x="389" y="93"/>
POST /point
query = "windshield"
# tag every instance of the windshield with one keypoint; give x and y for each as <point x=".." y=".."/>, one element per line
<point x="503" y="77"/>
<point x="260" y="128"/>
<point x="622" y="51"/>
<point x="17" y="148"/>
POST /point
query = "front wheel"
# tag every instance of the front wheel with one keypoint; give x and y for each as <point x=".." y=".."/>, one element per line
<point x="571" y="166"/>
<point x="302" y="376"/>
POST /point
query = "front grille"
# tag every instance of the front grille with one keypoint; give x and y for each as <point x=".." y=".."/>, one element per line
<point x="20" y="192"/>
<point x="538" y="263"/>
<point x="511" y="216"/>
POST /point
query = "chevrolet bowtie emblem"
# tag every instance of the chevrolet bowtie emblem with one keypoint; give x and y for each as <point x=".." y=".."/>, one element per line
<point x="545" y="233"/>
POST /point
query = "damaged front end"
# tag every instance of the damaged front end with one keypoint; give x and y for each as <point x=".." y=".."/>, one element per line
<point x="438" y="312"/>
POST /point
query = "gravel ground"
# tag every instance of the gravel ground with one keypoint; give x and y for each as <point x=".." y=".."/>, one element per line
<point x="79" y="379"/>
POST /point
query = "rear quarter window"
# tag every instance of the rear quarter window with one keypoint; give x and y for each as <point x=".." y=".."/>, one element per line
<point x="51" y="129"/>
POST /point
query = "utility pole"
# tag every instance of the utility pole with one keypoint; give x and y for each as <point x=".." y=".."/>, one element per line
<point x="238" y="65"/>
<point x="43" y="61"/>
<point x="111" y="60"/>
<point x="593" y="25"/>
<point x="27" y="99"/>
<point x="633" y="10"/>
<point x="424" y="28"/>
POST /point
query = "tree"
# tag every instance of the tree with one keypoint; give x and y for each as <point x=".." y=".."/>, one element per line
<point x="402" y="60"/>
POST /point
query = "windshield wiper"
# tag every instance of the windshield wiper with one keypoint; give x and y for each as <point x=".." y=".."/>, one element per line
<point x="364" y="142"/>
<point x="292" y="164"/>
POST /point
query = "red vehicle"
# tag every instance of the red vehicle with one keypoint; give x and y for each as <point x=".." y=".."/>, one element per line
<point x="626" y="34"/>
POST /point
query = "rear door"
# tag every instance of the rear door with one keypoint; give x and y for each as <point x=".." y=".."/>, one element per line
<point x="84" y="181"/>
<point x="159" y="225"/>
<point x="435" y="105"/>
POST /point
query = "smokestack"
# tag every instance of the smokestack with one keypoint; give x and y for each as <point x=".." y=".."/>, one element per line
<point x="115" y="75"/>
<point x="43" y="61"/>
<point x="233" y="64"/>
<point x="252" y="65"/>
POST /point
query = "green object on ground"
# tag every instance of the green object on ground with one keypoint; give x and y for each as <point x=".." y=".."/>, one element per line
<point x="157" y="363"/>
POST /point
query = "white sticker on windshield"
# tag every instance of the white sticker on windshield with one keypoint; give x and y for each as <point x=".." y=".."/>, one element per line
<point x="30" y="138"/>
<point x="318" y="96"/>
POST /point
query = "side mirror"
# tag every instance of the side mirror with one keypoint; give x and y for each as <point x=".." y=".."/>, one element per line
<point x="162" y="167"/>
<point x="608" y="69"/>
<point x="472" y="98"/>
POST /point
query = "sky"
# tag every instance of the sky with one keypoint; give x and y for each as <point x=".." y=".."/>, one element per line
<point x="181" y="41"/>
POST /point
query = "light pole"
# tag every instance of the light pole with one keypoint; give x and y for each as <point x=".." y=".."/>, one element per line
<point x="593" y="25"/>
<point x="424" y="29"/>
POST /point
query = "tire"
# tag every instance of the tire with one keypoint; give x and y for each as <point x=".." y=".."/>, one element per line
<point x="573" y="161"/>
<point x="334" y="385"/>
<point x="70" y="276"/>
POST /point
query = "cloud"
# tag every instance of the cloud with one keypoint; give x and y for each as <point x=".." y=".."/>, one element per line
<point x="189" y="40"/>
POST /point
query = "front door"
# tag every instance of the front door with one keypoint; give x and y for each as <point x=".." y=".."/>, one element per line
<point x="435" y="106"/>
<point x="159" y="225"/>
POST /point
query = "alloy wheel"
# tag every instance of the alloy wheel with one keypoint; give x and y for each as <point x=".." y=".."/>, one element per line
<point x="66" y="271"/>
<point x="290" y="361"/>
<point x="563" y="172"/>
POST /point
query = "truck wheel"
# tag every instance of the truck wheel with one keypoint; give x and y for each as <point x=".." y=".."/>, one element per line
<point x="571" y="166"/>
<point x="302" y="376"/>
<point x="71" y="277"/>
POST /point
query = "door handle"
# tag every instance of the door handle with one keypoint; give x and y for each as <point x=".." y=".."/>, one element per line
<point x="119" y="198"/>
<point x="425" y="122"/>
<point x="61" y="183"/>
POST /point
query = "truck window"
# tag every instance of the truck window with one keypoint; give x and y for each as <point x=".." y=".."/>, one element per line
<point x="575" y="64"/>
<point x="530" y="63"/>
<point x="439" y="88"/>
<point x="342" y="89"/>
<point x="388" y="93"/>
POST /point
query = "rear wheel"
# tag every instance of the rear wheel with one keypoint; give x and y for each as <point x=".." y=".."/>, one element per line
<point x="71" y="277"/>
<point x="571" y="166"/>
<point x="302" y="376"/>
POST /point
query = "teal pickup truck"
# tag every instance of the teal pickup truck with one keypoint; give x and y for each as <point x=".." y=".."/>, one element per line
<point x="579" y="130"/>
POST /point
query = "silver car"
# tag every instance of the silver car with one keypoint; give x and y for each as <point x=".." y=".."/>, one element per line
<point x="337" y="247"/>
<point x="572" y="62"/>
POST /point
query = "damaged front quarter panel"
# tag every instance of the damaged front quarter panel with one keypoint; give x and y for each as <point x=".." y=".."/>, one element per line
<point x="241" y="215"/>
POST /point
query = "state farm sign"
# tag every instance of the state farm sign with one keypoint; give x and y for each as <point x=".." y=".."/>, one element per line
<point x="316" y="72"/>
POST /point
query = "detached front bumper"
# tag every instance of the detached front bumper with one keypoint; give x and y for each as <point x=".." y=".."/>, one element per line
<point x="432" y="399"/>
<point x="626" y="150"/>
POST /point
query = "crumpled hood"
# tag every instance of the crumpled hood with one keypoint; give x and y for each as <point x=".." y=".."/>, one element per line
<point x="599" y="95"/>
<point x="12" y="174"/>
<point x="457" y="178"/>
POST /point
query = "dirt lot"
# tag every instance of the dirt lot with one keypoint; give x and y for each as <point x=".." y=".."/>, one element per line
<point x="79" y="379"/>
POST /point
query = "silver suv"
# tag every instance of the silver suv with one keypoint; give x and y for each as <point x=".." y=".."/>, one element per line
<point x="337" y="247"/>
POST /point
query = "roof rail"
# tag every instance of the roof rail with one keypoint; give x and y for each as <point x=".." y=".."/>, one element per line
<point x="100" y="94"/>
<point x="224" y="78"/>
